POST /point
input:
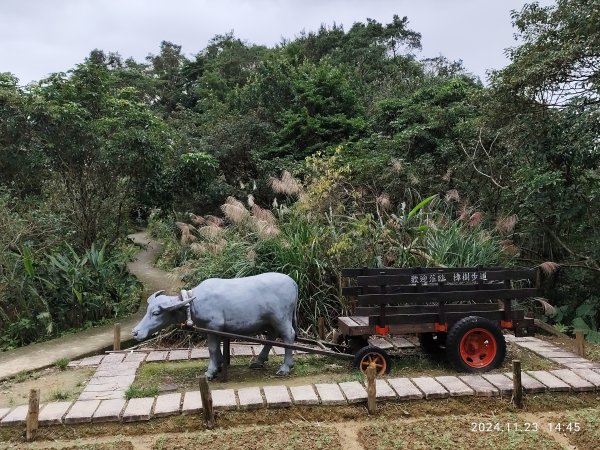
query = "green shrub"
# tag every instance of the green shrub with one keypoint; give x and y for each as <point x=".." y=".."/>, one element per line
<point x="331" y="227"/>
<point x="62" y="363"/>
<point x="59" y="395"/>
<point x="48" y="287"/>
<point x="460" y="245"/>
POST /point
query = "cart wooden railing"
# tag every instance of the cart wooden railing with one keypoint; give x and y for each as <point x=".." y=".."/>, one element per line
<point x="419" y="300"/>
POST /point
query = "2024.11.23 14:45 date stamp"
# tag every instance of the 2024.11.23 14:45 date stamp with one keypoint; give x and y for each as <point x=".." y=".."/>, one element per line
<point x="497" y="427"/>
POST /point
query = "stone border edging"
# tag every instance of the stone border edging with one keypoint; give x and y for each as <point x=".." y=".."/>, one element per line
<point x="102" y="399"/>
<point x="327" y="394"/>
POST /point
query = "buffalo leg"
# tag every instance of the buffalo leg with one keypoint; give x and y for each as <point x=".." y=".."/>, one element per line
<point x="226" y="358"/>
<point x="263" y="356"/>
<point x="215" y="357"/>
<point x="288" y="335"/>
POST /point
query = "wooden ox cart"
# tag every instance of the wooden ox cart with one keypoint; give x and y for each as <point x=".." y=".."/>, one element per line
<point x="461" y="311"/>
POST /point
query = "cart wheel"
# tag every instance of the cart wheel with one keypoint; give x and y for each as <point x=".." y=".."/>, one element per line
<point x="475" y="344"/>
<point x="432" y="342"/>
<point x="366" y="355"/>
<point x="357" y="342"/>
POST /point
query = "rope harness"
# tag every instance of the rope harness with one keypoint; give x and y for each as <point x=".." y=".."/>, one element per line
<point x="183" y="297"/>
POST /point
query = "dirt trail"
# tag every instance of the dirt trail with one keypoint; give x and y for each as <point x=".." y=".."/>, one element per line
<point x="542" y="420"/>
<point x="348" y="432"/>
<point x="143" y="268"/>
<point x="93" y="340"/>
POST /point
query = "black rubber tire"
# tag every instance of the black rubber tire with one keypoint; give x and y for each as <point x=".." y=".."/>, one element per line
<point x="366" y="350"/>
<point x="455" y="335"/>
<point x="432" y="342"/>
<point x="355" y="343"/>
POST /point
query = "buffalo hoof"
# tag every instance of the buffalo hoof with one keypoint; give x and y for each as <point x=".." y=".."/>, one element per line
<point x="209" y="376"/>
<point x="257" y="365"/>
<point x="283" y="373"/>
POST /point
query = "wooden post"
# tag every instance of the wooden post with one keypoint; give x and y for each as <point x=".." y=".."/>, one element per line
<point x="580" y="343"/>
<point x="32" y="414"/>
<point x="371" y="389"/>
<point x="207" y="403"/>
<point x="117" y="338"/>
<point x="321" y="327"/>
<point x="226" y="359"/>
<point x="517" y="384"/>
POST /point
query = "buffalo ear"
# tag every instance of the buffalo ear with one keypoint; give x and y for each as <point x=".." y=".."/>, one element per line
<point x="173" y="303"/>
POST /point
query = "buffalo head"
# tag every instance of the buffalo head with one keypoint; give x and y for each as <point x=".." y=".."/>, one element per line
<point x="163" y="310"/>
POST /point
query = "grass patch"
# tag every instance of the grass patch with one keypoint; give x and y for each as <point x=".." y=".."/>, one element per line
<point x="59" y="395"/>
<point x="311" y="369"/>
<point x="141" y="391"/>
<point x="62" y="363"/>
<point x="184" y="374"/>
<point x="297" y="437"/>
<point x="592" y="351"/>
<point x="586" y="434"/>
<point x="453" y="432"/>
<point x="421" y="364"/>
<point x="25" y="375"/>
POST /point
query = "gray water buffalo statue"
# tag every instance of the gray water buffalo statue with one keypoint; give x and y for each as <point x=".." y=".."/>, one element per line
<point x="264" y="303"/>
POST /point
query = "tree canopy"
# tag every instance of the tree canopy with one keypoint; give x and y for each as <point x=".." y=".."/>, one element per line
<point x="115" y="139"/>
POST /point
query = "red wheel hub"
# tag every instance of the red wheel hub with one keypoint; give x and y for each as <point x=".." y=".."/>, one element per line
<point x="478" y="347"/>
<point x="374" y="358"/>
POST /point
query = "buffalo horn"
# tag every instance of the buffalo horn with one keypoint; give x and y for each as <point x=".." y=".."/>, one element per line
<point x="153" y="296"/>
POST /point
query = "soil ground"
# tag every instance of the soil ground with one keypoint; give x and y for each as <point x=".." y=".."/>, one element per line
<point x="451" y="424"/>
<point x="54" y="385"/>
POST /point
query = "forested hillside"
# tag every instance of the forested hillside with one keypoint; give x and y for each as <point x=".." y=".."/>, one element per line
<point x="338" y="147"/>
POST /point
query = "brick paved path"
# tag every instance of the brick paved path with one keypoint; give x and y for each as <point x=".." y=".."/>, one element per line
<point x="117" y="370"/>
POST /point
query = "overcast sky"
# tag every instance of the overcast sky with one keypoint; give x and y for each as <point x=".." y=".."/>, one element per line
<point x="43" y="36"/>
